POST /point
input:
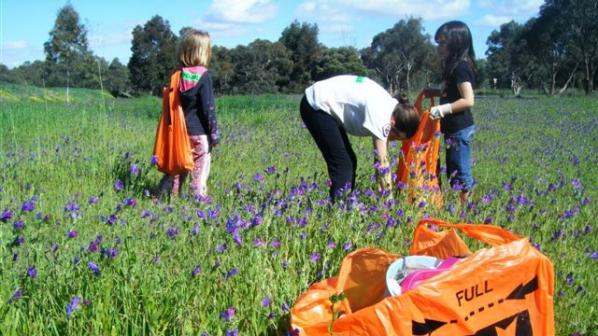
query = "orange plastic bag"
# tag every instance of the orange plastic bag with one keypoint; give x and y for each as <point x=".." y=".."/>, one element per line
<point x="172" y="148"/>
<point x="418" y="163"/>
<point x="503" y="290"/>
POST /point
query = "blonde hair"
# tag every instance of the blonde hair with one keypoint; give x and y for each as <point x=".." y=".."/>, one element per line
<point x="195" y="48"/>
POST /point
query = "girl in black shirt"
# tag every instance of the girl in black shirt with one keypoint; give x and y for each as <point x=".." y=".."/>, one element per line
<point x="456" y="100"/>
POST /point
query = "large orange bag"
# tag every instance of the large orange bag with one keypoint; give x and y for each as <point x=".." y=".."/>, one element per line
<point x="172" y="148"/>
<point x="418" y="163"/>
<point x="503" y="290"/>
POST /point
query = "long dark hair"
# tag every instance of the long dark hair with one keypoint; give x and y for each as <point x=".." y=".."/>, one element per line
<point x="459" y="46"/>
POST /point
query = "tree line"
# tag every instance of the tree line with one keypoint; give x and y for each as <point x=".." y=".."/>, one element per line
<point x="556" y="50"/>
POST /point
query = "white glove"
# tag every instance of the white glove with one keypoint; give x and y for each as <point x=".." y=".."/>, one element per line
<point x="440" y="111"/>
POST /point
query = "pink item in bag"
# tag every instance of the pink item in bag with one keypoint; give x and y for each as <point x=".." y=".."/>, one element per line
<point x="415" y="278"/>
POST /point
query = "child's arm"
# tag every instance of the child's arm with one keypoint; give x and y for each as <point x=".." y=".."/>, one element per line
<point x="382" y="167"/>
<point x="209" y="109"/>
<point x="467" y="98"/>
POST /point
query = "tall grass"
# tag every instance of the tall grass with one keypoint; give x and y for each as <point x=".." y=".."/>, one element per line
<point x="238" y="261"/>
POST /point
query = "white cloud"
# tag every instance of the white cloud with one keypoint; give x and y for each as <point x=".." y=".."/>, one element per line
<point x="228" y="18"/>
<point x="491" y="20"/>
<point x="15" y="45"/>
<point x="241" y="11"/>
<point x="428" y="10"/>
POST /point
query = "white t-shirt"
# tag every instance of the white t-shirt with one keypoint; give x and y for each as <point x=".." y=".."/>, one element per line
<point x="361" y="105"/>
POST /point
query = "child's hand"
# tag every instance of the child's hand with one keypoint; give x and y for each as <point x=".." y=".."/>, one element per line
<point x="440" y="111"/>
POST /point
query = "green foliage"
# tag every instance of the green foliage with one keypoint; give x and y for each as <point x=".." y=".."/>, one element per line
<point x="338" y="61"/>
<point x="153" y="56"/>
<point x="400" y="53"/>
<point x="68" y="59"/>
<point x="117" y="79"/>
<point x="301" y="39"/>
<point x="261" y="67"/>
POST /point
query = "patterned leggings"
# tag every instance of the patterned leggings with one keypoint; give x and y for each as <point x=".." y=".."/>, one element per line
<point x="199" y="175"/>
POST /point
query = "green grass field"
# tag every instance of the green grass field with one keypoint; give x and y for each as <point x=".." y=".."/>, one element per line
<point x="78" y="256"/>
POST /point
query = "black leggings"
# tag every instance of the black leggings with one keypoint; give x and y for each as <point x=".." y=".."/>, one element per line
<point x="334" y="144"/>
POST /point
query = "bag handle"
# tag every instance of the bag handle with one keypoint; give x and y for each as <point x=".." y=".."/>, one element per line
<point x="489" y="234"/>
<point x="419" y="102"/>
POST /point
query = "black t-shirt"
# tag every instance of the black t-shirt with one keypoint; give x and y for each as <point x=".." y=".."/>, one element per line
<point x="456" y="121"/>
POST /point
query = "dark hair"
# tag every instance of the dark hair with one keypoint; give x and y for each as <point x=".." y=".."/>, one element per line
<point x="406" y="119"/>
<point x="402" y="98"/>
<point x="459" y="46"/>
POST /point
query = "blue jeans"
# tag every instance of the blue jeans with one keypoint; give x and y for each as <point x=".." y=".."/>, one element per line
<point x="458" y="158"/>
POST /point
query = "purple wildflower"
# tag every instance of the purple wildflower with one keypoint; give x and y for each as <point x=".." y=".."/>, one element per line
<point x="594" y="255"/>
<point x="569" y="279"/>
<point x="72" y="234"/>
<point x="259" y="177"/>
<point x="6" y="215"/>
<point x="195" y="230"/>
<point x="118" y="185"/>
<point x="257" y="220"/>
<point x="76" y="260"/>
<point x="315" y="257"/>
<point x="134" y="169"/>
<point x="172" y="232"/>
<point x="270" y="170"/>
<point x="29" y="205"/>
<point x="154" y="160"/>
<point x="19" y="240"/>
<point x="487" y="199"/>
<point x="196" y="271"/>
<point x="576" y="184"/>
<point x="232" y="332"/>
<point x="266" y="302"/>
<point x="74" y="304"/>
<point x="347" y="246"/>
<point x="110" y="253"/>
<point x="234" y="271"/>
<point x="93" y="200"/>
<point x="130" y="202"/>
<point x="221" y="248"/>
<point x="331" y="244"/>
<point x="94" y="268"/>
<point x="32" y="272"/>
<point x="18" y="225"/>
<point x="522" y="200"/>
<point x="237" y="239"/>
<point x="259" y="242"/>
<point x="275" y="243"/>
<point x="18" y="293"/>
<point x="228" y="314"/>
<point x="71" y="207"/>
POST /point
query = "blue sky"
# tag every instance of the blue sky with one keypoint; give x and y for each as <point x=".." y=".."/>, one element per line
<point x="25" y="25"/>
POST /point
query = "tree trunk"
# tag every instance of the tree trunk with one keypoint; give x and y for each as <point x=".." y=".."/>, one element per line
<point x="571" y="75"/>
<point x="589" y="74"/>
<point x="408" y="82"/>
<point x="68" y="84"/>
